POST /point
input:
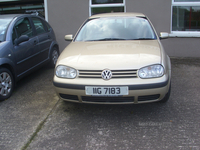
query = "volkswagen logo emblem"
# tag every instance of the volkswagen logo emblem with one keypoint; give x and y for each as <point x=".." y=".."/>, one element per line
<point x="106" y="74"/>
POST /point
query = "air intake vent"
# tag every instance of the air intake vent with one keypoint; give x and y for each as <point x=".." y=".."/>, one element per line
<point x="148" y="97"/>
<point x="107" y="99"/>
<point x="70" y="97"/>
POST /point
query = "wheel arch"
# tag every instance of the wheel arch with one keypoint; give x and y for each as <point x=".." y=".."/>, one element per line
<point x="6" y="63"/>
<point x="53" y="44"/>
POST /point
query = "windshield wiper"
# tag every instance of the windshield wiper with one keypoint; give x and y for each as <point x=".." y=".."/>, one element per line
<point x="114" y="39"/>
<point x="144" y="39"/>
<point x="108" y="39"/>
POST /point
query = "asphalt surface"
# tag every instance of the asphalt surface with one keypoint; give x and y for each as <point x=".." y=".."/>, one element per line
<point x="35" y="119"/>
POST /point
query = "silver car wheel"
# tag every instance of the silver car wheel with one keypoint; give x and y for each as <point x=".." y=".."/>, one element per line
<point x="5" y="84"/>
<point x="54" y="56"/>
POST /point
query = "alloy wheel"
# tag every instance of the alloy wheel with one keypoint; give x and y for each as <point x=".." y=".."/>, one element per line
<point x="54" y="56"/>
<point x="5" y="84"/>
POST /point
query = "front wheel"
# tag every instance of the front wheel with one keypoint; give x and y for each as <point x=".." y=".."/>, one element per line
<point x="6" y="84"/>
<point x="54" y="57"/>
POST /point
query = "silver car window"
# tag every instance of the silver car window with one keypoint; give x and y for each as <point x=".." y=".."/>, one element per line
<point x="116" y="28"/>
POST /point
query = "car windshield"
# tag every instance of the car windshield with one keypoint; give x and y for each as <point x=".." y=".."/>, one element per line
<point x="116" y="28"/>
<point x="3" y="26"/>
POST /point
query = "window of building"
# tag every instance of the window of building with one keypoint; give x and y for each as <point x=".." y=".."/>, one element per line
<point x="185" y="18"/>
<point x="22" y="6"/>
<point x="105" y="6"/>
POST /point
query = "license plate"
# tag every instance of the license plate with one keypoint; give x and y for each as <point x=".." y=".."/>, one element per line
<point x="106" y="91"/>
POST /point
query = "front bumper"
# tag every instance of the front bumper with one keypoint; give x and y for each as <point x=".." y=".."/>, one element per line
<point x="140" y="90"/>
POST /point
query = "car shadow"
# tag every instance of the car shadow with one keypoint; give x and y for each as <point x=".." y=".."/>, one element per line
<point x="145" y="109"/>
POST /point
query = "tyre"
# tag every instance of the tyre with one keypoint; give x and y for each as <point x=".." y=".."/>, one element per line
<point x="54" y="57"/>
<point x="6" y="84"/>
<point x="166" y="98"/>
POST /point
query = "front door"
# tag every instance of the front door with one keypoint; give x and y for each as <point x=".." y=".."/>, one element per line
<point x="26" y="51"/>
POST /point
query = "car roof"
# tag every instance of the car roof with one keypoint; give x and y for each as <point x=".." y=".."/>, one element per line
<point x="103" y="15"/>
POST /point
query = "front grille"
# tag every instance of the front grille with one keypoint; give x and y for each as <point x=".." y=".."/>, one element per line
<point x="115" y="73"/>
<point x="70" y="97"/>
<point x="107" y="99"/>
<point x="148" y="97"/>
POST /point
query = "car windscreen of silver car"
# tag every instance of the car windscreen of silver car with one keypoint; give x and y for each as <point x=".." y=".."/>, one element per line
<point x="116" y="28"/>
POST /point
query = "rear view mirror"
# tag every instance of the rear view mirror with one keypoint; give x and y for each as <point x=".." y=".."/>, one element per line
<point x="69" y="37"/>
<point x="21" y="39"/>
<point x="164" y="35"/>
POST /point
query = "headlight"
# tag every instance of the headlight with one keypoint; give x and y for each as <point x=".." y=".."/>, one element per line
<point x="65" y="72"/>
<point x="153" y="71"/>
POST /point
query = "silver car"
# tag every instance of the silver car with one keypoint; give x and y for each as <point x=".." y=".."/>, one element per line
<point x="115" y="58"/>
<point x="26" y="43"/>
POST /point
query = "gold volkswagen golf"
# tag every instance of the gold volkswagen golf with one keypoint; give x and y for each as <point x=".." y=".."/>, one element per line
<point x="115" y="58"/>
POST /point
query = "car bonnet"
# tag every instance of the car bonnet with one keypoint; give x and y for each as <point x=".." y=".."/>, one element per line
<point x="111" y="54"/>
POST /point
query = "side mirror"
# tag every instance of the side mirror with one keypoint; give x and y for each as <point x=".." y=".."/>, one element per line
<point x="164" y="35"/>
<point x="21" y="39"/>
<point x="69" y="37"/>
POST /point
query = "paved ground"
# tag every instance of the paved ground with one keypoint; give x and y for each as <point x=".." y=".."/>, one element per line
<point x="34" y="117"/>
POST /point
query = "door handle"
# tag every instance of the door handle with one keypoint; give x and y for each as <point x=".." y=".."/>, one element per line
<point x="35" y="42"/>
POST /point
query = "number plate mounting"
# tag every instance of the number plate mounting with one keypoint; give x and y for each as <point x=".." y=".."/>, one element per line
<point x="106" y="91"/>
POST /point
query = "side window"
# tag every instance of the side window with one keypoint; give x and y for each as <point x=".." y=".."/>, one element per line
<point x="39" y="27"/>
<point x="48" y="26"/>
<point x="23" y="27"/>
